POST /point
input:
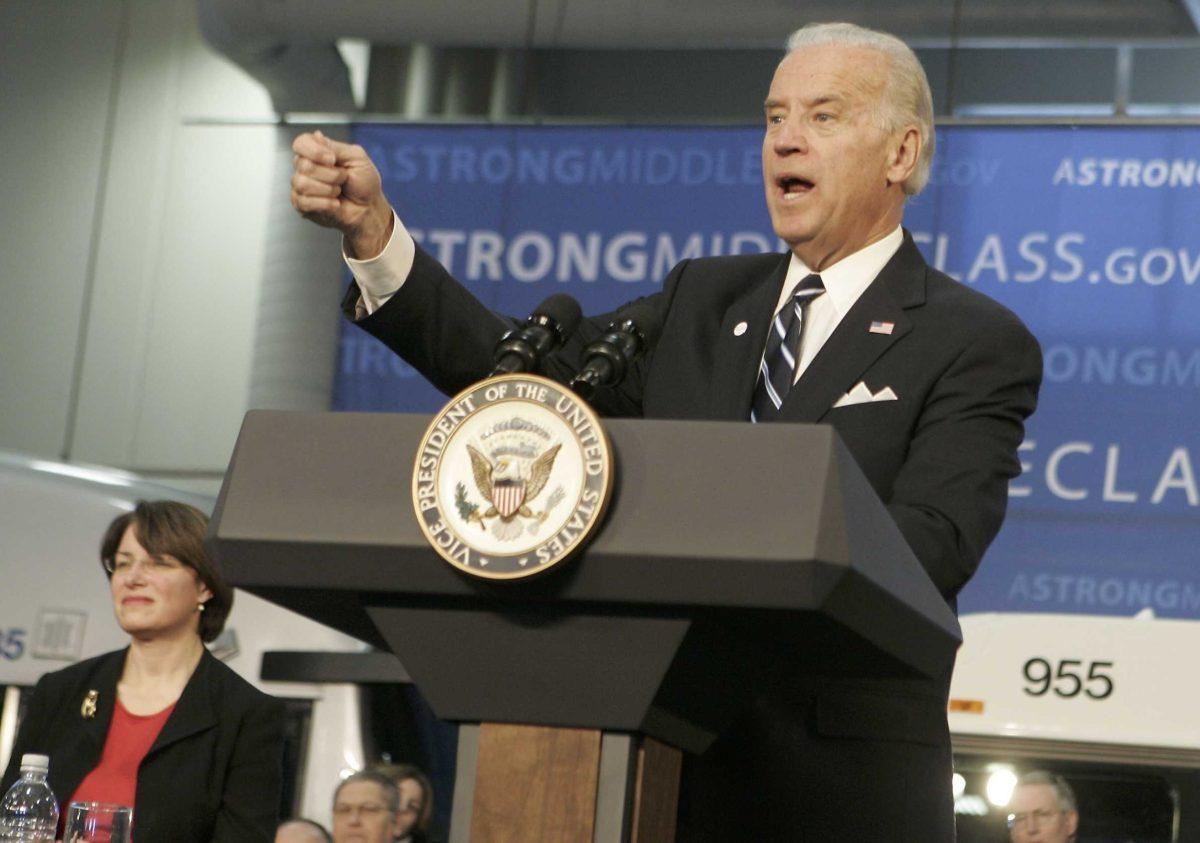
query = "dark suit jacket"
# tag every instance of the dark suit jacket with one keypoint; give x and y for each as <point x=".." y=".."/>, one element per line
<point x="832" y="758"/>
<point x="213" y="773"/>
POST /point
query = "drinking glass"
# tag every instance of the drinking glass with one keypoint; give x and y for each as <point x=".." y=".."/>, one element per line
<point x="97" y="822"/>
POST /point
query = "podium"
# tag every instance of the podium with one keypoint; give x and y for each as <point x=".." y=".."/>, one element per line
<point x="728" y="549"/>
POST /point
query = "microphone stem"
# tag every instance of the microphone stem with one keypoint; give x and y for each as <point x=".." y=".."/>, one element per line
<point x="508" y="364"/>
<point x="585" y="384"/>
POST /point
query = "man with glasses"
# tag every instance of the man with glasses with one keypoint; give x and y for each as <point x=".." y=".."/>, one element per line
<point x="366" y="806"/>
<point x="1043" y="810"/>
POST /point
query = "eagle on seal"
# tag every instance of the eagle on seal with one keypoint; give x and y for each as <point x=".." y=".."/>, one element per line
<point x="509" y="482"/>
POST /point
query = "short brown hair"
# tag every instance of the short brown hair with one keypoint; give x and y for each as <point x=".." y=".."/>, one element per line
<point x="171" y="528"/>
<point x="391" y="795"/>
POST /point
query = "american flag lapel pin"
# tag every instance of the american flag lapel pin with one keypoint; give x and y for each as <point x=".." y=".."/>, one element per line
<point x="882" y="327"/>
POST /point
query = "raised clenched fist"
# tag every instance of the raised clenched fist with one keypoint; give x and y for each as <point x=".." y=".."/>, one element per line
<point x="336" y="185"/>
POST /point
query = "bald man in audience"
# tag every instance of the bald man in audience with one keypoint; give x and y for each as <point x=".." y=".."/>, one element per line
<point x="302" y="831"/>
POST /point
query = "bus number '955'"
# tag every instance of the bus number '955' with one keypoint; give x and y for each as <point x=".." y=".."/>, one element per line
<point x="1068" y="678"/>
<point x="12" y="643"/>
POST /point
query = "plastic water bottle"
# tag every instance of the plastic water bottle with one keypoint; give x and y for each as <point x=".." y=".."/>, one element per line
<point x="29" y="811"/>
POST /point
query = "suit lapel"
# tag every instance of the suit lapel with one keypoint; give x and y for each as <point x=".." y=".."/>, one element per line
<point x="738" y="356"/>
<point x="104" y="684"/>
<point x="852" y="347"/>
<point x="193" y="710"/>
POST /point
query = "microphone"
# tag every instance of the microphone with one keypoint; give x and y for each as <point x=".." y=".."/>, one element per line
<point x="549" y="326"/>
<point x="607" y="360"/>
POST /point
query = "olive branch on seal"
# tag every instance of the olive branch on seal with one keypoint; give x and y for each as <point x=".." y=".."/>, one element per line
<point x="465" y="508"/>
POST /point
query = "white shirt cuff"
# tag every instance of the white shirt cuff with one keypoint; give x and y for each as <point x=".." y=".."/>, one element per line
<point x="380" y="277"/>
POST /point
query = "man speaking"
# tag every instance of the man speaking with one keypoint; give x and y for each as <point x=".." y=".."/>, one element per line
<point x="926" y="381"/>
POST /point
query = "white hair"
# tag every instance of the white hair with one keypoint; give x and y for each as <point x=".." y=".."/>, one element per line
<point x="907" y="100"/>
<point x="1063" y="794"/>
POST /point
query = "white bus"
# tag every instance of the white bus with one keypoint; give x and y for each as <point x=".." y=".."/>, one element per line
<point x="1109" y="703"/>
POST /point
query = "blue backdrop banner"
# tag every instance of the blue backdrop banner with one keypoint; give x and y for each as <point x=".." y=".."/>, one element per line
<point x="1091" y="234"/>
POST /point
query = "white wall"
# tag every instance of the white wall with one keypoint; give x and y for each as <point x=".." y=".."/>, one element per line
<point x="141" y="165"/>
<point x="53" y="117"/>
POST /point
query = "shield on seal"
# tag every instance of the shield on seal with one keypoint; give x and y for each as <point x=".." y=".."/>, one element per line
<point x="507" y="497"/>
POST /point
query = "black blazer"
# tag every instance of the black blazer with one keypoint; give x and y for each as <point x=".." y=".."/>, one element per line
<point x="965" y="368"/>
<point x="213" y="773"/>
<point x="837" y="758"/>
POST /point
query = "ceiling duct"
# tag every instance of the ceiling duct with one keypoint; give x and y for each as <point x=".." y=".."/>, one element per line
<point x="288" y="45"/>
<point x="692" y="24"/>
<point x="302" y="70"/>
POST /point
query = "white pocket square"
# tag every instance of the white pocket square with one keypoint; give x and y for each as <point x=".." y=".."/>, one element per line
<point x="861" y="394"/>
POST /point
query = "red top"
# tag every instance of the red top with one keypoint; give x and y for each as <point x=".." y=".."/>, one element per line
<point x="130" y="737"/>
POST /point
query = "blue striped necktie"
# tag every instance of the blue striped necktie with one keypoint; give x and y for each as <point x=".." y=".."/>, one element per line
<point x="778" y="368"/>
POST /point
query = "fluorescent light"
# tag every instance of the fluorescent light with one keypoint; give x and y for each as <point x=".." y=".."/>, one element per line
<point x="1034" y="109"/>
<point x="108" y="477"/>
<point x="1164" y="109"/>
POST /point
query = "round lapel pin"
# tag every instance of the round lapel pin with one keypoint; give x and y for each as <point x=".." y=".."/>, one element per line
<point x="739" y="329"/>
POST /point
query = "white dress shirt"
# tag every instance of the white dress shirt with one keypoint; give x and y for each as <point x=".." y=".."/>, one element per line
<point x="380" y="277"/>
<point x="844" y="282"/>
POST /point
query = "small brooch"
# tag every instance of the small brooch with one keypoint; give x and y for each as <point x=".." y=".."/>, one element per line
<point x="88" y="709"/>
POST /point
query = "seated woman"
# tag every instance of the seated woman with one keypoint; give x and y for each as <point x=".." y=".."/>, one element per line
<point x="162" y="725"/>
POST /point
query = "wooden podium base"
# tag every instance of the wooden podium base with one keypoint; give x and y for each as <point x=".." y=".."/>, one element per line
<point x="656" y="792"/>
<point x="535" y="784"/>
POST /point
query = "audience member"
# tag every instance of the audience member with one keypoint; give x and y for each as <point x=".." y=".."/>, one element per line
<point x="416" y="801"/>
<point x="301" y="830"/>
<point x="365" y="809"/>
<point x="1043" y="809"/>
<point x="162" y="726"/>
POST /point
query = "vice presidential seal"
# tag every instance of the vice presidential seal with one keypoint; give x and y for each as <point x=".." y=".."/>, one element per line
<point x="512" y="477"/>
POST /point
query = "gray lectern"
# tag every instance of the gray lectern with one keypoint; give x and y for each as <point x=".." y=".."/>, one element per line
<point x="728" y="549"/>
